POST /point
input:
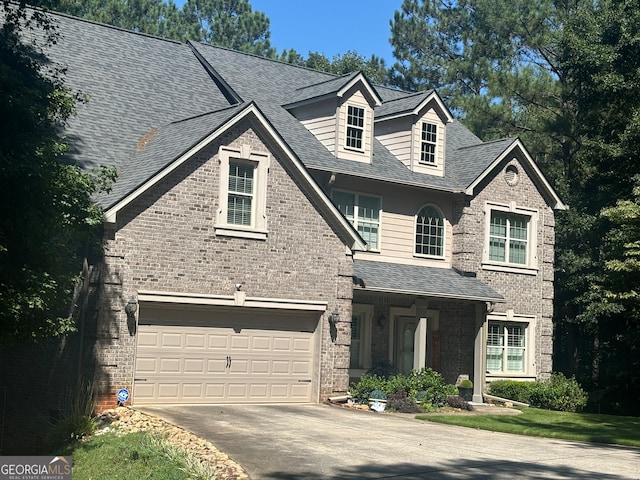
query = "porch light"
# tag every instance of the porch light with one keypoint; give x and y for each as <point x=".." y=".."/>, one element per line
<point x="131" y="308"/>
<point x="381" y="321"/>
<point x="334" y="317"/>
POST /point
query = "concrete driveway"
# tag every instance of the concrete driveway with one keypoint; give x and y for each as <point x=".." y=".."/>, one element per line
<point x="323" y="442"/>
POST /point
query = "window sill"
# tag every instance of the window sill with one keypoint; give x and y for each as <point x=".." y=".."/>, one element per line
<point x="498" y="267"/>
<point x="429" y="257"/>
<point x="510" y="376"/>
<point x="240" y="232"/>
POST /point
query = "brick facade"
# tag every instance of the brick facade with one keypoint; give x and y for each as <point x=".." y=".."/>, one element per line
<point x="525" y="294"/>
<point x="165" y="241"/>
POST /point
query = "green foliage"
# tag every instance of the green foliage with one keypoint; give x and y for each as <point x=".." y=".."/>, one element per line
<point x="558" y="393"/>
<point x="466" y="383"/>
<point x="512" y="390"/>
<point x="78" y="405"/>
<point x="48" y="221"/>
<point x="361" y="390"/>
<point x="426" y="386"/>
<point x="137" y="455"/>
<point x="378" y="395"/>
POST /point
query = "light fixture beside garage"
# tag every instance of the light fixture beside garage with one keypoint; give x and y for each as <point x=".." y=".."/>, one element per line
<point x="131" y="308"/>
<point x="334" y="317"/>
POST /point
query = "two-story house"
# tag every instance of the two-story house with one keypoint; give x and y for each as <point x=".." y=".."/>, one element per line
<point x="275" y="231"/>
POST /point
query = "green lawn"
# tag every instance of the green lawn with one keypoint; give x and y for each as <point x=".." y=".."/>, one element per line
<point x="586" y="427"/>
<point x="138" y="456"/>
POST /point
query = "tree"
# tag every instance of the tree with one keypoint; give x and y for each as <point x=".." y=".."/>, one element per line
<point x="602" y="58"/>
<point x="231" y="24"/>
<point x="498" y="64"/>
<point x="47" y="218"/>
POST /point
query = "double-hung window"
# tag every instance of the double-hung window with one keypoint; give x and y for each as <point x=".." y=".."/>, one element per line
<point x="243" y="193"/>
<point x="363" y="212"/>
<point x="508" y="238"/>
<point x="428" y="142"/>
<point x="511" y="238"/>
<point x="506" y="347"/>
<point x="429" y="232"/>
<point x="355" y="128"/>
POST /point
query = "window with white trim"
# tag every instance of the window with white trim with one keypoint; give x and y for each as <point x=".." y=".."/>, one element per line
<point x="508" y="238"/>
<point x="511" y="234"/>
<point x="506" y="347"/>
<point x="429" y="238"/>
<point x="428" y="142"/>
<point x="363" y="211"/>
<point x="240" y="196"/>
<point x="243" y="194"/>
<point x="354" y="139"/>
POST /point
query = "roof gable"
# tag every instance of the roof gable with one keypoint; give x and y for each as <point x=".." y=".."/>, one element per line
<point x="233" y="117"/>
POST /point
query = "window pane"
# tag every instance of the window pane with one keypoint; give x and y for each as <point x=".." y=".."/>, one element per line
<point x="494" y="359"/>
<point x="240" y="195"/>
<point x="346" y="203"/>
<point x="369" y="233"/>
<point x="515" y="360"/>
<point x="239" y="210"/>
<point x="241" y="178"/>
<point x="508" y="238"/>
<point x="368" y="208"/>
<point x="355" y="127"/>
<point x="428" y="143"/>
<point x="513" y="350"/>
<point x="429" y="232"/>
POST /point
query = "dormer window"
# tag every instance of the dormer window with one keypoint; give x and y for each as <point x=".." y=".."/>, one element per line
<point x="428" y="143"/>
<point x="355" y="128"/>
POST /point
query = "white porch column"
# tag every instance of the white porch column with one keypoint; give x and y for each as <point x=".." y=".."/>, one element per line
<point x="420" y="344"/>
<point x="479" y="357"/>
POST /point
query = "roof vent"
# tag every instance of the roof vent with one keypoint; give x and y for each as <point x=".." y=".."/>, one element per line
<point x="511" y="175"/>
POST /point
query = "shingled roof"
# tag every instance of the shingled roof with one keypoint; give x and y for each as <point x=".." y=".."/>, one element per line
<point x="420" y="280"/>
<point x="150" y="100"/>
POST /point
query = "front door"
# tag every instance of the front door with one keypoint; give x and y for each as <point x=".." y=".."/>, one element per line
<point x="405" y="343"/>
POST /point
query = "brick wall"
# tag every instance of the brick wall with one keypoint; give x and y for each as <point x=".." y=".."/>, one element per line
<point x="165" y="241"/>
<point x="525" y="294"/>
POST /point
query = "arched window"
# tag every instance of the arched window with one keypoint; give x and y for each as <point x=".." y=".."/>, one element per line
<point x="429" y="232"/>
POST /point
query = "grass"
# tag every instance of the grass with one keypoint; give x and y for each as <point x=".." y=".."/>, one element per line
<point x="585" y="427"/>
<point x="134" y="455"/>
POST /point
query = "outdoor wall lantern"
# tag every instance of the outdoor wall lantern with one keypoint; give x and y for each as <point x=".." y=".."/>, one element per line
<point x="130" y="309"/>
<point x="381" y="320"/>
<point x="334" y="317"/>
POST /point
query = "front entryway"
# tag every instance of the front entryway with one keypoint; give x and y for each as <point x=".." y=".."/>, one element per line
<point x="209" y="355"/>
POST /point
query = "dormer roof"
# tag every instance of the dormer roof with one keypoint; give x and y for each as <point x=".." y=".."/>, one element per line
<point x="413" y="104"/>
<point x="333" y="87"/>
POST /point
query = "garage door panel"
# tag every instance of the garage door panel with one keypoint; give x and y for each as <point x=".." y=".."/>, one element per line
<point x="243" y="361"/>
<point x="171" y="340"/>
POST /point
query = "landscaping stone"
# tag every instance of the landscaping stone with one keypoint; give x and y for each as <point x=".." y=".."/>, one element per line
<point x="128" y="420"/>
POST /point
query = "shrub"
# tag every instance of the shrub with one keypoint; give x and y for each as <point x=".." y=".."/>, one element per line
<point x="378" y="395"/>
<point x="401" y="403"/>
<point x="361" y="390"/>
<point x="383" y="368"/>
<point x="512" y="390"/>
<point x="456" y="401"/>
<point x="77" y="422"/>
<point x="558" y="393"/>
<point x="466" y="383"/>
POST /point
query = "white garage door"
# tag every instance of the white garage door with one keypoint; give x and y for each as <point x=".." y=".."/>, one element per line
<point x="216" y="356"/>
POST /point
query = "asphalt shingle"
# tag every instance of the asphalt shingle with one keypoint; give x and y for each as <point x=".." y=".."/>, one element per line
<point x="422" y="280"/>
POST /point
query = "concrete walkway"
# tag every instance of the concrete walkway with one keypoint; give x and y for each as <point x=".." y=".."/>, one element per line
<point x="323" y="442"/>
